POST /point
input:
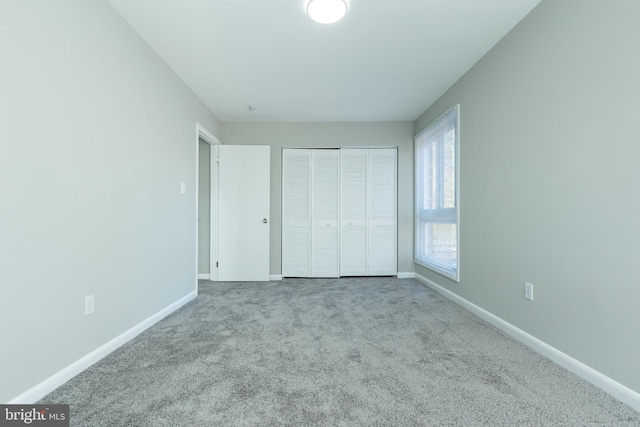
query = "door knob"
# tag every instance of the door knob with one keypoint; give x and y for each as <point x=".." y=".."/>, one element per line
<point x="265" y="220"/>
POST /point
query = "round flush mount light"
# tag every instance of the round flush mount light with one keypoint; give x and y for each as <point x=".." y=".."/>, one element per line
<point x="326" y="11"/>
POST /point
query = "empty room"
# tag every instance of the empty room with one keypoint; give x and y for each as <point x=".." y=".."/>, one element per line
<point x="382" y="213"/>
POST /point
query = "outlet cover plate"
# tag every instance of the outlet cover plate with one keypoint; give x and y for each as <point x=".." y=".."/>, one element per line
<point x="528" y="291"/>
<point x="89" y="305"/>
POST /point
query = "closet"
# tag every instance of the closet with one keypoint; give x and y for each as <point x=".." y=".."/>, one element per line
<point x="368" y="218"/>
<point x="339" y="212"/>
<point x="310" y="212"/>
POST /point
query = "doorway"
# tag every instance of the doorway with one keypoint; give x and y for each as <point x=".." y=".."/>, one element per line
<point x="206" y="205"/>
<point x="204" y="210"/>
<point x="239" y="182"/>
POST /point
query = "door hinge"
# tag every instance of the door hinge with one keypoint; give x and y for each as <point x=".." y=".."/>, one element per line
<point x="216" y="264"/>
<point x="217" y="160"/>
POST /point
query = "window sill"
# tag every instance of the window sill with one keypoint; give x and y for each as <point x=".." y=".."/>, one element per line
<point x="450" y="274"/>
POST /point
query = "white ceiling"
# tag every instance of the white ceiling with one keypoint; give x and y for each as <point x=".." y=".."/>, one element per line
<point x="388" y="60"/>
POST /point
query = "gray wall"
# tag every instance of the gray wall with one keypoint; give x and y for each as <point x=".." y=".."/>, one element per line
<point x="96" y="135"/>
<point x="204" y="208"/>
<point x="549" y="181"/>
<point x="288" y="135"/>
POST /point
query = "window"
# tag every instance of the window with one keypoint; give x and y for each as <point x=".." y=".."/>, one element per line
<point x="437" y="195"/>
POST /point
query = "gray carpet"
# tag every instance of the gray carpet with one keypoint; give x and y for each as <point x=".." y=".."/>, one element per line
<point x="347" y="352"/>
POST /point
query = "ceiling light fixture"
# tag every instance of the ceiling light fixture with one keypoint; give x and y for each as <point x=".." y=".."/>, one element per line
<point x="326" y="11"/>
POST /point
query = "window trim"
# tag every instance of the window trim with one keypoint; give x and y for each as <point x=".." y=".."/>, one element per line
<point x="440" y="215"/>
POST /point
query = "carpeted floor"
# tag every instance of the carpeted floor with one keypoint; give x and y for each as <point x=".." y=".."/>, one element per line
<point x="344" y="352"/>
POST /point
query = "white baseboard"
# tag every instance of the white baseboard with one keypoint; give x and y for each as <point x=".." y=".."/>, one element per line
<point x="56" y="380"/>
<point x="406" y="275"/>
<point x="614" y="388"/>
<point x="204" y="276"/>
<point x="275" y="277"/>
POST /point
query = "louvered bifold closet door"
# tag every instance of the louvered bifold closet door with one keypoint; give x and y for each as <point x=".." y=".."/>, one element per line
<point x="382" y="194"/>
<point x="325" y="182"/>
<point x="296" y="213"/>
<point x="353" y="216"/>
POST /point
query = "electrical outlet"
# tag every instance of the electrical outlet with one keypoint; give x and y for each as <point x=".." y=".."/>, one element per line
<point x="88" y="305"/>
<point x="528" y="291"/>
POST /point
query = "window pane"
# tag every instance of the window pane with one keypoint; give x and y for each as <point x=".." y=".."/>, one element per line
<point x="429" y="199"/>
<point x="440" y="244"/>
<point x="449" y="166"/>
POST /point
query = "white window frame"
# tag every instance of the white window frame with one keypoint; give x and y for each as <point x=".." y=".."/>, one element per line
<point x="439" y="215"/>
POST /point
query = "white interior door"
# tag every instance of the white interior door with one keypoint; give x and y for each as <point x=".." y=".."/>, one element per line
<point x="215" y="176"/>
<point x="243" y="212"/>
<point x="325" y="183"/>
<point x="382" y="194"/>
<point x="353" y="221"/>
<point x="296" y="212"/>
